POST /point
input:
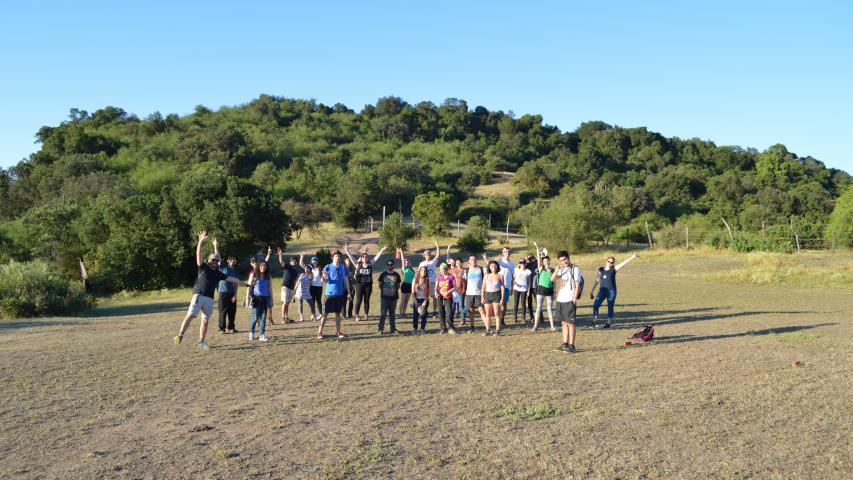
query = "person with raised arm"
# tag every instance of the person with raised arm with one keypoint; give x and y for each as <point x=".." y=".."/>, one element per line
<point x="261" y="290"/>
<point x="336" y="281"/>
<point x="363" y="279"/>
<point x="408" y="280"/>
<point x="431" y="264"/>
<point x="544" y="289"/>
<point x="303" y="292"/>
<point x="567" y="298"/>
<point x="454" y="267"/>
<point x="607" y="281"/>
<point x="290" y="271"/>
<point x="206" y="283"/>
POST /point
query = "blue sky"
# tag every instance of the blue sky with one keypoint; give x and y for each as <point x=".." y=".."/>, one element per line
<point x="738" y="73"/>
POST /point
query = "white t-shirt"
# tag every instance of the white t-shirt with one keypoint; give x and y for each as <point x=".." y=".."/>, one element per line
<point x="430" y="266"/>
<point x="522" y="279"/>
<point x="475" y="281"/>
<point x="507" y="269"/>
<point x="317" y="277"/>
<point x="567" y="285"/>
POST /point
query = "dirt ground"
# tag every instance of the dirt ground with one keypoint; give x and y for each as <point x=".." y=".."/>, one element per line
<point x="743" y="381"/>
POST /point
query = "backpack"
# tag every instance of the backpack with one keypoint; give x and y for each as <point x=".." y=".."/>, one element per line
<point x="647" y="334"/>
<point x="572" y="279"/>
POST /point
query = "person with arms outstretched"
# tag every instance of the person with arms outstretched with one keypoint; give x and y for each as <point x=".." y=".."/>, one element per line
<point x="206" y="283"/>
<point x="363" y="279"/>
<point x="607" y="281"/>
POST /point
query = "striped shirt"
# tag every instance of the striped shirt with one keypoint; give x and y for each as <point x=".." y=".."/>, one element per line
<point x="303" y="287"/>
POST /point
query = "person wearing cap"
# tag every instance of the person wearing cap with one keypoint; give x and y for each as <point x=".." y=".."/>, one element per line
<point x="303" y="292"/>
<point x="336" y="280"/>
<point x="290" y="272"/>
<point x="444" y="286"/>
<point x="227" y="294"/>
<point x="206" y="283"/>
<point x="363" y="279"/>
<point x="389" y="287"/>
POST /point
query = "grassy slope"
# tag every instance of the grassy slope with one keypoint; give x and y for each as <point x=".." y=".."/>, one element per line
<point x="109" y="395"/>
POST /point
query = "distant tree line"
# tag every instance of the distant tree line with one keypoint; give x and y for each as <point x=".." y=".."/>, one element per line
<point x="125" y="193"/>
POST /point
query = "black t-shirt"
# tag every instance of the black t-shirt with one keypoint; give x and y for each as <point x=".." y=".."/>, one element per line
<point x="289" y="275"/>
<point x="389" y="284"/>
<point x="534" y="279"/>
<point x="364" y="273"/>
<point x="207" y="281"/>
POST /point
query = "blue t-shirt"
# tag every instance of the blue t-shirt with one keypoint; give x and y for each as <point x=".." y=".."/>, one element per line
<point x="227" y="287"/>
<point x="335" y="279"/>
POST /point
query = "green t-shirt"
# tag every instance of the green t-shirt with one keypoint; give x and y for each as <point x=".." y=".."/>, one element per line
<point x="545" y="278"/>
<point x="408" y="275"/>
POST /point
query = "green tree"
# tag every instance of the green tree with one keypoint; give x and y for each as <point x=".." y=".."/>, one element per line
<point x="432" y="209"/>
<point x="475" y="239"/>
<point x="356" y="196"/>
<point x="395" y="233"/>
<point x="839" y="228"/>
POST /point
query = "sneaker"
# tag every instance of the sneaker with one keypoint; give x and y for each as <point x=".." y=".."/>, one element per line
<point x="381" y="332"/>
<point x="497" y="333"/>
<point x="487" y="332"/>
<point x="572" y="349"/>
<point x="234" y="330"/>
<point x="470" y="330"/>
<point x="221" y="332"/>
<point x="263" y="338"/>
<point x="251" y="336"/>
<point x="229" y="331"/>
<point x="178" y="339"/>
<point x="595" y="325"/>
<point x="606" y="325"/>
<point x="341" y="335"/>
<point x="452" y="331"/>
<point x="442" y="331"/>
<point x="272" y="322"/>
<point x="202" y="345"/>
<point x="564" y="347"/>
<point x="319" y="336"/>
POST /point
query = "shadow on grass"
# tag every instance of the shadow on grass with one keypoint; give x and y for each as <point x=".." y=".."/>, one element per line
<point x="127" y="310"/>
<point x="16" y="324"/>
<point x="674" y="317"/>
<point x="749" y="333"/>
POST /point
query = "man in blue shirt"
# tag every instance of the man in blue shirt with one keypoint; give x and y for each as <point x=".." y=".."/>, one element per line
<point x="338" y="289"/>
<point x="228" y="298"/>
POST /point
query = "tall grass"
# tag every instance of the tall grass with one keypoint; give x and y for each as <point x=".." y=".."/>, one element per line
<point x="34" y="289"/>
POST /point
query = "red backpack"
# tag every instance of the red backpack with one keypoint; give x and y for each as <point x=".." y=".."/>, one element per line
<point x="647" y="334"/>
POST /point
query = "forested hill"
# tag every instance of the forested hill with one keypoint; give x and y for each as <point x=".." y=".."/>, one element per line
<point x="125" y="193"/>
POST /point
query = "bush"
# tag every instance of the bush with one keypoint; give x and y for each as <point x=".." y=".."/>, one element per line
<point x="432" y="209"/>
<point x="476" y="236"/>
<point x="34" y="289"/>
<point x="395" y="233"/>
<point x="839" y="228"/>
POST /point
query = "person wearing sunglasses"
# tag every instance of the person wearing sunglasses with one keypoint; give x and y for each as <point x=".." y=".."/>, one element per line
<point x="607" y="282"/>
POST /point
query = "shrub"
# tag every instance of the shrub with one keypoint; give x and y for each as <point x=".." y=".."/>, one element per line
<point x="476" y="236"/>
<point x="432" y="209"/>
<point x="839" y="228"/>
<point x="395" y="233"/>
<point x="33" y="289"/>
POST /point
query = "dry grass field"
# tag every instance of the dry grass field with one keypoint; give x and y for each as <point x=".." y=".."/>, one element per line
<point x="747" y="379"/>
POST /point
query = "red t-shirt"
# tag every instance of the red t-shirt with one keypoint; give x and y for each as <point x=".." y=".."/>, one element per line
<point x="444" y="285"/>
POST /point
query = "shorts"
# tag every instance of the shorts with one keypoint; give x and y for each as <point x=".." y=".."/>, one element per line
<point x="287" y="294"/>
<point x="406" y="288"/>
<point x="473" y="301"/>
<point x="200" y="302"/>
<point x="566" y="312"/>
<point x="493" y="297"/>
<point x="334" y="304"/>
<point x="545" y="291"/>
<point x="507" y="294"/>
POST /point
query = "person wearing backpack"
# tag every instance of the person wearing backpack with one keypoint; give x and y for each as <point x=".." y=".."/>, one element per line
<point x="571" y="286"/>
<point x="607" y="280"/>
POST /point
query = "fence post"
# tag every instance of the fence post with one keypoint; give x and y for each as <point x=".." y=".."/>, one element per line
<point x="796" y="236"/>
<point x="649" y="234"/>
<point x="687" y="236"/>
<point x="731" y="237"/>
<point x="507" y="229"/>
<point x="383" y="215"/>
<point x="458" y="225"/>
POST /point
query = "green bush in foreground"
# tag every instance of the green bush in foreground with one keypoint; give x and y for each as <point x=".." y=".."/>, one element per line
<point x="35" y="289"/>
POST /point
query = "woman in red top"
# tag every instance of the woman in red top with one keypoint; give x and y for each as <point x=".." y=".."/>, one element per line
<point x="444" y="286"/>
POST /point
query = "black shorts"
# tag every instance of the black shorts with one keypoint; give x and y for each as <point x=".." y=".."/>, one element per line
<point x="566" y="312"/>
<point x="334" y="304"/>
<point x="405" y="288"/>
<point x="473" y="301"/>
<point x="545" y="292"/>
<point x="493" y="297"/>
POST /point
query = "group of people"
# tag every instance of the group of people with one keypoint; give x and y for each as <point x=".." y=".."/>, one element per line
<point x="453" y="289"/>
